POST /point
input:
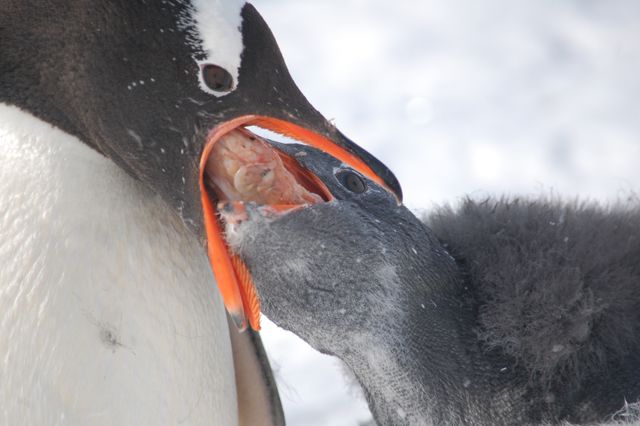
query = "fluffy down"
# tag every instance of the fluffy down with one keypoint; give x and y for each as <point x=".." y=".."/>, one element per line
<point x="557" y="285"/>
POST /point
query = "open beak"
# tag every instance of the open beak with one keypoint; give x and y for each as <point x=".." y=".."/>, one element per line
<point x="233" y="278"/>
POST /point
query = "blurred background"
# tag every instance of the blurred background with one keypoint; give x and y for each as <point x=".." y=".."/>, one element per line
<point x="462" y="98"/>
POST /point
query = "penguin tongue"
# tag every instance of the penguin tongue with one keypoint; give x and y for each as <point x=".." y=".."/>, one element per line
<point x="240" y="167"/>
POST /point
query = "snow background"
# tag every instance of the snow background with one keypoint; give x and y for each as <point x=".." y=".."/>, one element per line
<point x="462" y="97"/>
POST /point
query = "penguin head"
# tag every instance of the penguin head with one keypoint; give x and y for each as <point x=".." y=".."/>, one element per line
<point x="357" y="263"/>
<point x="154" y="84"/>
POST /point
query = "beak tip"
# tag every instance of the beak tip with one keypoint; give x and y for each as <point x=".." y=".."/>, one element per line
<point x="239" y="319"/>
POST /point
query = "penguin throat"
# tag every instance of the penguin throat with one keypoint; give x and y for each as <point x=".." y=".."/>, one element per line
<point x="244" y="168"/>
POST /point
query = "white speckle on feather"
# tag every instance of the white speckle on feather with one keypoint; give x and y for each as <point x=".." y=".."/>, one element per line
<point x="401" y="413"/>
<point x="136" y="137"/>
<point x="387" y="276"/>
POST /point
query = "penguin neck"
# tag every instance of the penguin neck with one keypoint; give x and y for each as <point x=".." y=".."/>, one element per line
<point x="426" y="363"/>
<point x="107" y="300"/>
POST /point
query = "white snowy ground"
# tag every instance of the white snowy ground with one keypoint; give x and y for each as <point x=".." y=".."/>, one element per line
<point x="462" y="97"/>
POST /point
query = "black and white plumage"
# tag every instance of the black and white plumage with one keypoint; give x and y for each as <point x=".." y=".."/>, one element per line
<point x="497" y="312"/>
<point x="109" y="313"/>
<point x="108" y="310"/>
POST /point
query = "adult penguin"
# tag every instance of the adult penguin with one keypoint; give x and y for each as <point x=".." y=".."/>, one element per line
<point x="501" y="312"/>
<point x="108" y="111"/>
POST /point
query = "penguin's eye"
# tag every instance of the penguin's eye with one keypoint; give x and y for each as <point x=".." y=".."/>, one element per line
<point x="217" y="78"/>
<point x="352" y="181"/>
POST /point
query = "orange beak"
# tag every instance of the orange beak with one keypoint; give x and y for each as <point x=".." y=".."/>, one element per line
<point x="234" y="279"/>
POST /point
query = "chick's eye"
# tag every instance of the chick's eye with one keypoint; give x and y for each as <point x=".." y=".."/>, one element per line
<point x="352" y="181"/>
<point x="217" y="78"/>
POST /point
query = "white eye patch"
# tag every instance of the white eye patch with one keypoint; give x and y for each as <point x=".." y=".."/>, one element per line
<point x="217" y="25"/>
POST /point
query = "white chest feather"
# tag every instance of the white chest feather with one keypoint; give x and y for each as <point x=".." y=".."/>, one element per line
<point x="108" y="310"/>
